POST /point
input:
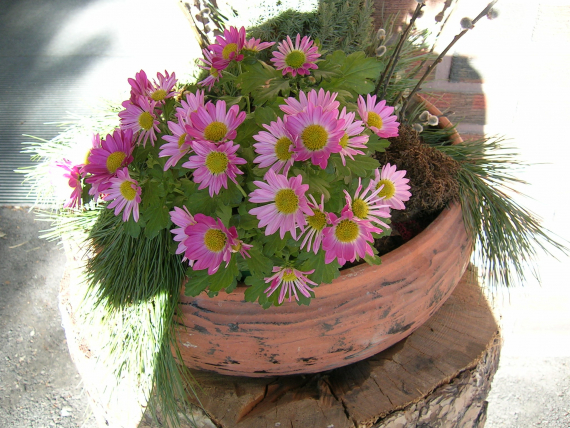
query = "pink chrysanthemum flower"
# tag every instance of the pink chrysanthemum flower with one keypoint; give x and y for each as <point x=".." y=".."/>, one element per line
<point x="347" y="238"/>
<point x="288" y="205"/>
<point x="316" y="223"/>
<point x="181" y="217"/>
<point x="275" y="148"/>
<point x="327" y="100"/>
<point x="191" y="105"/>
<point x="378" y="117"/>
<point x="177" y="145"/>
<point x="212" y="122"/>
<point x="208" y="243"/>
<point x="238" y="246"/>
<point x="228" y="47"/>
<point x="72" y="173"/>
<point x="317" y="134"/>
<point x="290" y="280"/>
<point x="353" y="138"/>
<point x="141" y="118"/>
<point x="214" y="165"/>
<point x="215" y="73"/>
<point x="140" y="86"/>
<point x="163" y="88"/>
<point x="256" y="45"/>
<point x="368" y="207"/>
<point x="298" y="58"/>
<point x="103" y="162"/>
<point x="394" y="188"/>
<point x="124" y="192"/>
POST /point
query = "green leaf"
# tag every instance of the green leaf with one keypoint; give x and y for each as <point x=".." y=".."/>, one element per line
<point x="201" y="202"/>
<point x="231" y="195"/>
<point x="224" y="213"/>
<point x="324" y="273"/>
<point x="157" y="217"/>
<point x="377" y="144"/>
<point x="362" y="165"/>
<point x="273" y="243"/>
<point x="327" y="70"/>
<point x="198" y="281"/>
<point x="263" y="82"/>
<point x="264" y="115"/>
<point x="248" y="221"/>
<point x="357" y="72"/>
<point x="225" y="276"/>
<point x="258" y="264"/>
<point x="317" y="184"/>
<point x="256" y="289"/>
<point x="373" y="260"/>
<point x="245" y="133"/>
<point x="132" y="228"/>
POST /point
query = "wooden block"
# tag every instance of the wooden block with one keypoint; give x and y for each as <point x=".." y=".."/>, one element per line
<point x="462" y="337"/>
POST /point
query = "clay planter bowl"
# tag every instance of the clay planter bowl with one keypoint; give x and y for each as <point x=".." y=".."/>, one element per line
<point x="364" y="311"/>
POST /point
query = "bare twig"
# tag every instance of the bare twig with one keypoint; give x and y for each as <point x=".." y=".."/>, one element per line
<point x="389" y="70"/>
<point x="440" y="58"/>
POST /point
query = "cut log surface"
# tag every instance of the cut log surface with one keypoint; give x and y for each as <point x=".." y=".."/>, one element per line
<point x="438" y="377"/>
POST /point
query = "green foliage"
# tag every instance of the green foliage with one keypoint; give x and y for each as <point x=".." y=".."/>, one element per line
<point x="506" y="234"/>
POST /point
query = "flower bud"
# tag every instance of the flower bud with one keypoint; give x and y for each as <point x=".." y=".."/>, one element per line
<point x="433" y="120"/>
<point x="492" y="14"/>
<point x="380" y="50"/>
<point x="466" y="23"/>
<point x="380" y="34"/>
<point x="417" y="127"/>
<point x="424" y="116"/>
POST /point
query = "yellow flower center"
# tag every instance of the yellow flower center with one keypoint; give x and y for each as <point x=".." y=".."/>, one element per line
<point x="344" y="141"/>
<point x="295" y="59"/>
<point x="181" y="140"/>
<point x="289" y="275"/>
<point x="215" y="131"/>
<point x="282" y="149"/>
<point x="374" y="120"/>
<point x="388" y="191"/>
<point x="346" y="231"/>
<point x="127" y="190"/>
<point x="314" y="137"/>
<point x="146" y="120"/>
<point x="286" y="201"/>
<point x="318" y="220"/>
<point x="159" y="95"/>
<point x="217" y="162"/>
<point x="86" y="161"/>
<point x="114" y="161"/>
<point x="228" y="49"/>
<point x="215" y="240"/>
<point x="360" y="208"/>
<point x="237" y="247"/>
<point x="214" y="72"/>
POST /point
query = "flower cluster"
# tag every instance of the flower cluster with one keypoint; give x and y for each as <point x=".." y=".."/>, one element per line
<point x="268" y="172"/>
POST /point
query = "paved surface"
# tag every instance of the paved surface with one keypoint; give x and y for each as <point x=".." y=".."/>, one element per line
<point x="57" y="56"/>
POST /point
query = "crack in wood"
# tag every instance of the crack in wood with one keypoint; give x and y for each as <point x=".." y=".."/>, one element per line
<point x="342" y="403"/>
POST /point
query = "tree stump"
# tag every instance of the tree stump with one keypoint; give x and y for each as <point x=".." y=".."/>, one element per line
<point x="438" y="377"/>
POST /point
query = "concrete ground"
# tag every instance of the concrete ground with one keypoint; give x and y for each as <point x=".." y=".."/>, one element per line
<point x="84" y="51"/>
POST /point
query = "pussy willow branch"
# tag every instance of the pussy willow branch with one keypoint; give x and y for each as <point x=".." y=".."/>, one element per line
<point x="421" y="66"/>
<point x="387" y="75"/>
<point x="483" y="13"/>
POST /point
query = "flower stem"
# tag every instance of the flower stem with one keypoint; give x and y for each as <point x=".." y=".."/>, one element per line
<point x="241" y="189"/>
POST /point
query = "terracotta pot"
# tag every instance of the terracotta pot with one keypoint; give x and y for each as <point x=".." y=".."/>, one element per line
<point x="364" y="311"/>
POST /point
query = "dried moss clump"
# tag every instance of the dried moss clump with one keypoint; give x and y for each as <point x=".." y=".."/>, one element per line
<point x="432" y="174"/>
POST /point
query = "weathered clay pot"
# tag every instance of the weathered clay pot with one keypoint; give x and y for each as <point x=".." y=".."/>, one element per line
<point x="364" y="311"/>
